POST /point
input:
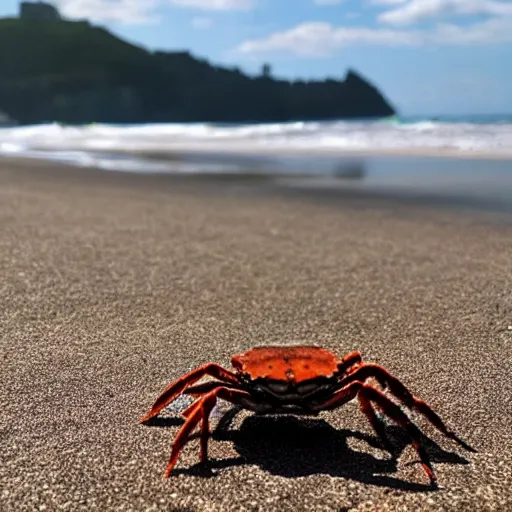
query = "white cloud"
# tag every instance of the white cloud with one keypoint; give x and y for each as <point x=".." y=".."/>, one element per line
<point x="413" y="11"/>
<point x="318" y="39"/>
<point x="202" y="23"/>
<point x="139" y="11"/>
<point x="124" y="11"/>
<point x="492" y="31"/>
<point x="216" y="5"/>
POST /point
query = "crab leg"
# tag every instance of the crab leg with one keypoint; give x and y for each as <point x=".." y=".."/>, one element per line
<point x="347" y="394"/>
<point x="392" y="410"/>
<point x="389" y="408"/>
<point x="191" y="408"/>
<point x="341" y="397"/>
<point x="202" y="411"/>
<point x="174" y="389"/>
<point x="386" y="380"/>
<point x="182" y="437"/>
<point x="350" y="360"/>
<point x="198" y="392"/>
<point x="369" y="411"/>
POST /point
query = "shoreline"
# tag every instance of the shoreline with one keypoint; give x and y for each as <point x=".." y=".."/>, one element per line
<point x="332" y="152"/>
<point x="400" y="189"/>
<point x="208" y="149"/>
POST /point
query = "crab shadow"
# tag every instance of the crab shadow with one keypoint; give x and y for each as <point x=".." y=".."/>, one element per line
<point x="292" y="446"/>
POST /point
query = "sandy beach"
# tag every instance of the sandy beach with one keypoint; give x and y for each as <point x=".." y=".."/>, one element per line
<point x="113" y="284"/>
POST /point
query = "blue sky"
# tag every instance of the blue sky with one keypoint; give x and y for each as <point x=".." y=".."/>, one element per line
<point x="427" y="56"/>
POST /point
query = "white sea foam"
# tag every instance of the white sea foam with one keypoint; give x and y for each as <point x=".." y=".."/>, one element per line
<point x="84" y="145"/>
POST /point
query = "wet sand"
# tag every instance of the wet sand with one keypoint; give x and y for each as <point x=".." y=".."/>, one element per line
<point x="112" y="285"/>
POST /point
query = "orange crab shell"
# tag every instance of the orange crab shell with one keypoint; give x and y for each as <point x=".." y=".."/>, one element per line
<point x="296" y="363"/>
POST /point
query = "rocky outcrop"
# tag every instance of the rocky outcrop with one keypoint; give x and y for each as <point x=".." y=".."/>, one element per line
<point x="73" y="72"/>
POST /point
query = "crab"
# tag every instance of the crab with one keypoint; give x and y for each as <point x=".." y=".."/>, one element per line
<point x="301" y="380"/>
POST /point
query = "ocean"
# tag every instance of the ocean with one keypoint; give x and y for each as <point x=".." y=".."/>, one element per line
<point x="466" y="156"/>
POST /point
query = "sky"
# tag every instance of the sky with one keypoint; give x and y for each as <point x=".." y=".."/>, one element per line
<point x="428" y="57"/>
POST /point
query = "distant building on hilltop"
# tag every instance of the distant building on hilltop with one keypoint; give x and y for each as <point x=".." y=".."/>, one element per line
<point x="38" y="11"/>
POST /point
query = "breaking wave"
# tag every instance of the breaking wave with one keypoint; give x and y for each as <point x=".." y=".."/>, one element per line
<point x="104" y="145"/>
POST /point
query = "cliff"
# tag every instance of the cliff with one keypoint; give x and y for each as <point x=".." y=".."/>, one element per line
<point x="73" y="72"/>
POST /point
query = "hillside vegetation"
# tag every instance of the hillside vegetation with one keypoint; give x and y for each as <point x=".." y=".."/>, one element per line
<point x="74" y="72"/>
